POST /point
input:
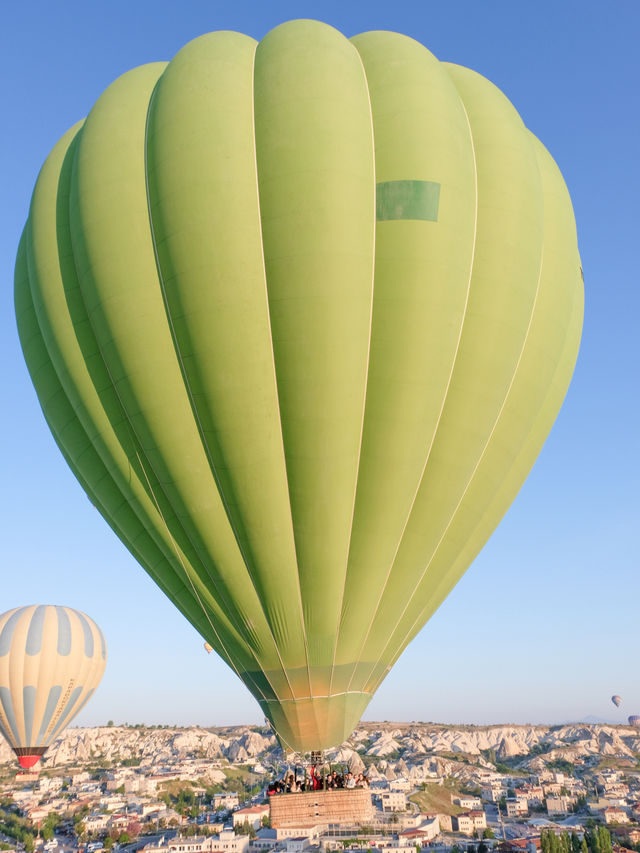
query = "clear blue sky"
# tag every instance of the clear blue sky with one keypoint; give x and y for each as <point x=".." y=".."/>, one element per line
<point x="545" y="625"/>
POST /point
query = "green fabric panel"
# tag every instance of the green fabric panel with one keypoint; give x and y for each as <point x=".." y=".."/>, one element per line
<point x="201" y="167"/>
<point x="543" y="379"/>
<point x="116" y="267"/>
<point x="316" y="183"/>
<point x="422" y="275"/>
<point x="74" y="351"/>
<point x="325" y="721"/>
<point x="75" y="444"/>
<point x="539" y="385"/>
<point x="504" y="285"/>
<point x="407" y="200"/>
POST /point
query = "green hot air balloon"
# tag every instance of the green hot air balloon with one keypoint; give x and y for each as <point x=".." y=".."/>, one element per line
<point x="300" y="315"/>
<point x="51" y="661"/>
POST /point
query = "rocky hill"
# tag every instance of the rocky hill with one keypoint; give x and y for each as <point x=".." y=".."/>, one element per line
<point x="388" y="749"/>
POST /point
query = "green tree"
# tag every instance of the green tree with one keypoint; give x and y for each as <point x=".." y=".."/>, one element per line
<point x="245" y="829"/>
<point x="604" y="839"/>
<point x="488" y="833"/>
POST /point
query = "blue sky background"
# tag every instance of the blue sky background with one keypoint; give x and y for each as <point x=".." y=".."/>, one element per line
<point x="545" y="625"/>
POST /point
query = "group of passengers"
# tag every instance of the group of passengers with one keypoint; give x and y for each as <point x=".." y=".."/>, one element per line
<point x="314" y="781"/>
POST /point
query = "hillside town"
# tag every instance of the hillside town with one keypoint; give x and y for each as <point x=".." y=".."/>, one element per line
<point x="467" y="789"/>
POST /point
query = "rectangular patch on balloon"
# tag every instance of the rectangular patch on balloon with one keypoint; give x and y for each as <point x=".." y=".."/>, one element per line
<point x="407" y="200"/>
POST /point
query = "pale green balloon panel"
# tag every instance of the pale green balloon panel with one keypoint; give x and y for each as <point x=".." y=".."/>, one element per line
<point x="61" y="318"/>
<point x="300" y="315"/>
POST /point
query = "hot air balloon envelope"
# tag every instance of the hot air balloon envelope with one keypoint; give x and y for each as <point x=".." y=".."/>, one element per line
<point x="301" y="334"/>
<point x="617" y="700"/>
<point x="51" y="661"/>
<point x="634" y="720"/>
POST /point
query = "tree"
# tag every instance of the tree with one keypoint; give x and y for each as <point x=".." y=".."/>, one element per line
<point x="604" y="839"/>
<point x="265" y="821"/>
<point x="245" y="829"/>
<point x="488" y="833"/>
<point x="110" y="723"/>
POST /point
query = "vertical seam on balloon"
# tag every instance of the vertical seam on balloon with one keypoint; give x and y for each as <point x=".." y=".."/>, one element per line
<point x="127" y="422"/>
<point x="21" y="717"/>
<point x="275" y="372"/>
<point x="27" y="285"/>
<point x="475" y="469"/>
<point x="366" y="379"/>
<point x="37" y="727"/>
<point x="184" y="569"/>
<point x="37" y="319"/>
<point x="198" y="425"/>
<point x="442" y="406"/>
<point x="57" y="433"/>
<point x="571" y="313"/>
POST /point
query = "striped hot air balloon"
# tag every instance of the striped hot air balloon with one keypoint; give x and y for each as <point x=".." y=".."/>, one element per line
<point x="51" y="661"/>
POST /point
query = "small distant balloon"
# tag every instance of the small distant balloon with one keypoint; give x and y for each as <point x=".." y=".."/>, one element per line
<point x="617" y="700"/>
<point x="208" y="648"/>
<point x="634" y="720"/>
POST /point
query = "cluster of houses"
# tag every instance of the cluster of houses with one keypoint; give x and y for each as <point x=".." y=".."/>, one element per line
<point x="511" y="809"/>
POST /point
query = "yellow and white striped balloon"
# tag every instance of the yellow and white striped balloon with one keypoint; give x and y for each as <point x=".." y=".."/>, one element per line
<point x="51" y="661"/>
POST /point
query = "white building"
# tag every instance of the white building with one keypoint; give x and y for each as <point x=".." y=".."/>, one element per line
<point x="467" y="803"/>
<point x="252" y="815"/>
<point x="226" y="842"/>
<point x="298" y="844"/>
<point x="393" y="801"/>
<point x="517" y="806"/>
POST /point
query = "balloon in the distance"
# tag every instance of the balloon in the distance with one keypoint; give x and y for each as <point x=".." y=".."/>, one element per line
<point x="301" y="335"/>
<point x="634" y="720"/>
<point x="208" y="648"/>
<point x="617" y="700"/>
<point x="51" y="661"/>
